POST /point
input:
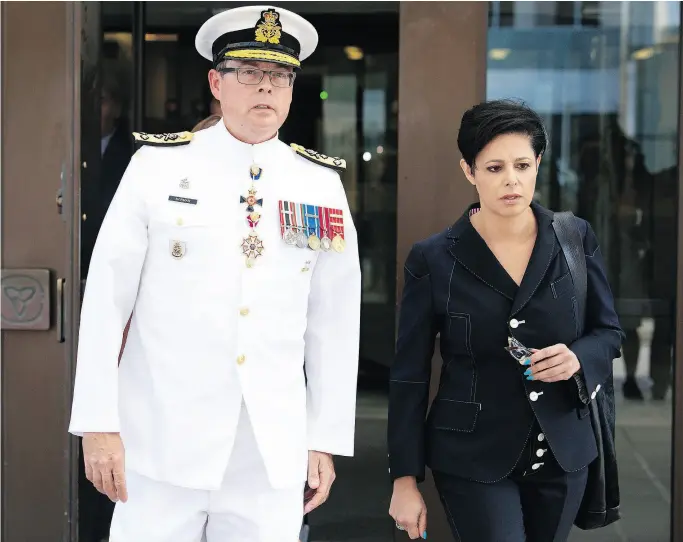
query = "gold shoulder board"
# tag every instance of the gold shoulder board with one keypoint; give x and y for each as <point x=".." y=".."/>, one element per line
<point x="163" y="140"/>
<point x="338" y="164"/>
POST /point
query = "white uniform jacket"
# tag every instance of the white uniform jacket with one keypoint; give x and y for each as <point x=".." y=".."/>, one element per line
<point x="207" y="331"/>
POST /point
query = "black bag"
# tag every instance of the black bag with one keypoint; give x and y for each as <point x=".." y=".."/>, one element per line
<point x="600" y="504"/>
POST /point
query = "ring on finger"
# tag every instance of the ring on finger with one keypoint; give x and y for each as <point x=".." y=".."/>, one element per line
<point x="400" y="527"/>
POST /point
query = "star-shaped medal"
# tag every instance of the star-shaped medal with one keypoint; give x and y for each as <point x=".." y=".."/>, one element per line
<point x="251" y="200"/>
<point x="252" y="246"/>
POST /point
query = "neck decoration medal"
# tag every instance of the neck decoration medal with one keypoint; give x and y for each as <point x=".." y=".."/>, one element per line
<point x="252" y="245"/>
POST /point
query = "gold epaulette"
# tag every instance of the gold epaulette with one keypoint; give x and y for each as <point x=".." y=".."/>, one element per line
<point x="338" y="164"/>
<point x="163" y="140"/>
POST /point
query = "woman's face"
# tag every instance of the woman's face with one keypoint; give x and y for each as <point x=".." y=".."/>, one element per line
<point x="504" y="174"/>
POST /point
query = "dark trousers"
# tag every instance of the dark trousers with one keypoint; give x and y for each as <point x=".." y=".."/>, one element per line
<point x="530" y="505"/>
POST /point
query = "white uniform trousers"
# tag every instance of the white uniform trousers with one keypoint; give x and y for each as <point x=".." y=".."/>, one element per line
<point x="245" y="509"/>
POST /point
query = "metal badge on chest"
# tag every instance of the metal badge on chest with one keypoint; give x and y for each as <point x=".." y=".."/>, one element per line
<point x="178" y="248"/>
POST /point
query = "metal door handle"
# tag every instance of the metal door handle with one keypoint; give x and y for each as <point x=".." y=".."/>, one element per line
<point x="59" y="200"/>
<point x="60" y="309"/>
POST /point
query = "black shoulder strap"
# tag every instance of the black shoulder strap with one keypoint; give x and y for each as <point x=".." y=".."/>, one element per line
<point x="569" y="237"/>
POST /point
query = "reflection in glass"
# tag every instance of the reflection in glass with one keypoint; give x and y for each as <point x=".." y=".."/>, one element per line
<point x="605" y="77"/>
<point x="106" y="148"/>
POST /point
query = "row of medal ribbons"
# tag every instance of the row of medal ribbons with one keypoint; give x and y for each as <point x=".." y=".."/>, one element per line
<point x="312" y="226"/>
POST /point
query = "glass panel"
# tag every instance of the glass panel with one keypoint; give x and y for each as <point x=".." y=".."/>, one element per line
<point x="106" y="148"/>
<point x="107" y="144"/>
<point x="604" y="75"/>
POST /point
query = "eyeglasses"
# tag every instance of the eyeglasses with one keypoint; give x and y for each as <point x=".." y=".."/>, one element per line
<point x="253" y="76"/>
<point x="517" y="350"/>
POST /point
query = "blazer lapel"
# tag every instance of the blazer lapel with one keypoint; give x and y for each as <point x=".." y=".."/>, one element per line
<point x="471" y="251"/>
<point x="545" y="249"/>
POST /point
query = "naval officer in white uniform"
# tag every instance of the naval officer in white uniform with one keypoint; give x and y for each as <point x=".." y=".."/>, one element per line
<point x="237" y="257"/>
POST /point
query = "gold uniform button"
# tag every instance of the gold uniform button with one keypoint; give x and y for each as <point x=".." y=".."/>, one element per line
<point x="179" y="221"/>
<point x="244" y="311"/>
<point x="241" y="359"/>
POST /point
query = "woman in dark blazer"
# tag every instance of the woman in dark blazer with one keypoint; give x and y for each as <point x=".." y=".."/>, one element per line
<point x="508" y="438"/>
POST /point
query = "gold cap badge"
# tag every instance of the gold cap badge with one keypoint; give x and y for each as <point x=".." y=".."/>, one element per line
<point x="268" y="28"/>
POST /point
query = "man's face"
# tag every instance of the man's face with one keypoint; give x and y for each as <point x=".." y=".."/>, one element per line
<point x="253" y="108"/>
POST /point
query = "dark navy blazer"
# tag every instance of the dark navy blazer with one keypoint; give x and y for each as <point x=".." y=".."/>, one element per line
<point x="485" y="407"/>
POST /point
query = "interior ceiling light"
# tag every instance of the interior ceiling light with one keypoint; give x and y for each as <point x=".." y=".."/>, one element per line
<point x="499" y="54"/>
<point x="644" y="54"/>
<point x="353" y="53"/>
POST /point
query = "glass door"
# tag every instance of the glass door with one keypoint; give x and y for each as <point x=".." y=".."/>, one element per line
<point x="109" y="101"/>
<point x="605" y="76"/>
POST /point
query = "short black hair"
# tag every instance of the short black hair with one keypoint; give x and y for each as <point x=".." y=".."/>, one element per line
<point x="484" y="122"/>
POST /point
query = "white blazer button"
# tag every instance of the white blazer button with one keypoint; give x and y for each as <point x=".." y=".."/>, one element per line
<point x="540" y="452"/>
<point x="597" y="388"/>
<point x="594" y="395"/>
<point x="541" y="437"/>
<point x="514" y="323"/>
<point x="535" y="395"/>
<point x="536" y="466"/>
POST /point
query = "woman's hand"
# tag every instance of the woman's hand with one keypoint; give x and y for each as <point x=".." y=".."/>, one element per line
<point x="553" y="364"/>
<point x="408" y="508"/>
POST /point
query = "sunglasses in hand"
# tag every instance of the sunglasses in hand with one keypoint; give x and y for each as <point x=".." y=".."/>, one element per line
<point x="518" y="351"/>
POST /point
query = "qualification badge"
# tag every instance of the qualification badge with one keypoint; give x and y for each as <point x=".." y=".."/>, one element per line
<point x="178" y="249"/>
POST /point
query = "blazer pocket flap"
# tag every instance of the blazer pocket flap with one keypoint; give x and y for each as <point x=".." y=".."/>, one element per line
<point x="562" y="286"/>
<point x="451" y="415"/>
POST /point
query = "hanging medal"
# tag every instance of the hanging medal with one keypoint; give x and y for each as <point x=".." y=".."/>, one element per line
<point x="287" y="231"/>
<point x="252" y="245"/>
<point x="324" y="216"/>
<point x="337" y="227"/>
<point x="300" y="226"/>
<point x="313" y="226"/>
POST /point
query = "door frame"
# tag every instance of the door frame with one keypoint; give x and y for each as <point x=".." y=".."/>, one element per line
<point x="677" y="418"/>
<point x="41" y="174"/>
<point x="79" y="18"/>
